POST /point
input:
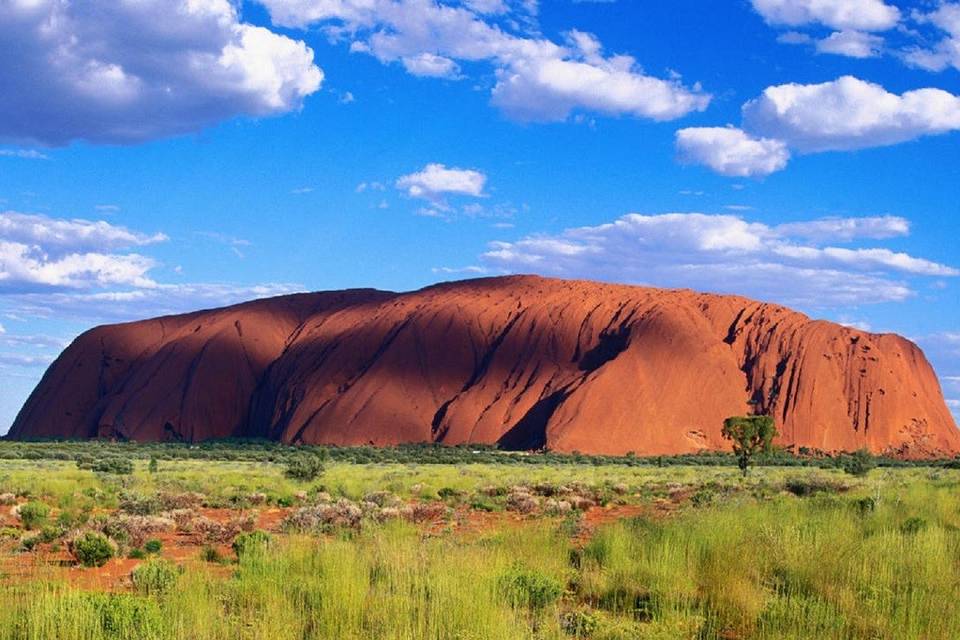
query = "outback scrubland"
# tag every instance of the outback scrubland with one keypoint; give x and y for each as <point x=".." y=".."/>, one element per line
<point x="257" y="540"/>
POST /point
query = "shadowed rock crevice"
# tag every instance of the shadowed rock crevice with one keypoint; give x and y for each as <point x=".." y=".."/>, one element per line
<point x="609" y="346"/>
<point x="530" y="432"/>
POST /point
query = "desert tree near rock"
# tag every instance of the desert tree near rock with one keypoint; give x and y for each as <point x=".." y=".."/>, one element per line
<point x="750" y="435"/>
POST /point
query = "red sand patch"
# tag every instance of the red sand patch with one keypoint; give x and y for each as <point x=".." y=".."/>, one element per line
<point x="185" y="548"/>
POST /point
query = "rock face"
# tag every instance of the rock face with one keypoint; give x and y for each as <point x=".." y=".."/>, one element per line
<point x="522" y="361"/>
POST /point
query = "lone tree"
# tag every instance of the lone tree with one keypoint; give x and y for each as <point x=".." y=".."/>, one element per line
<point x="750" y="435"/>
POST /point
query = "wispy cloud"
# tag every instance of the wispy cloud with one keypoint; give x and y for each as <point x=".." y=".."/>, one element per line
<point x="728" y="254"/>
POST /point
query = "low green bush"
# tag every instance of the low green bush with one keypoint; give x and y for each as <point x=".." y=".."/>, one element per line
<point x="913" y="525"/>
<point x="125" y="617"/>
<point x="580" y="623"/>
<point x="304" y="467"/>
<point x="859" y="463"/>
<point x="155" y="577"/>
<point x="34" y="514"/>
<point x="92" y="549"/>
<point x="803" y="486"/>
<point x="254" y="542"/>
<point x="211" y="554"/>
<point x="529" y="589"/>
<point x="113" y="464"/>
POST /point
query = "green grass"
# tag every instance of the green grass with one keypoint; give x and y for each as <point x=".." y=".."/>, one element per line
<point x="845" y="558"/>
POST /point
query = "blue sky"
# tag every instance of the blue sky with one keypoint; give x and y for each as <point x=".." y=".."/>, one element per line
<point x="160" y="156"/>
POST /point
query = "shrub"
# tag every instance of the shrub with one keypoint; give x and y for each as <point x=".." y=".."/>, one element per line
<point x="72" y="518"/>
<point x="153" y="546"/>
<point x="803" y="486"/>
<point x="155" y="577"/>
<point x="29" y="542"/>
<point x="174" y="501"/>
<point x="211" y="554"/>
<point x="49" y="533"/>
<point x="117" y="465"/>
<point x="859" y="463"/>
<point x="34" y="514"/>
<point x="483" y="504"/>
<point x="212" y="531"/>
<point x="580" y="624"/>
<point x="92" y="549"/>
<point x="139" y="505"/>
<point x="703" y="497"/>
<point x="126" y="616"/>
<point x="428" y="512"/>
<point x="913" y="525"/>
<point x="521" y="501"/>
<point x="448" y="493"/>
<point x="325" y="517"/>
<point x="247" y="544"/>
<point x="135" y="530"/>
<point x="137" y="554"/>
<point x="530" y="589"/>
<point x="382" y="499"/>
<point x="865" y="505"/>
<point x="304" y="467"/>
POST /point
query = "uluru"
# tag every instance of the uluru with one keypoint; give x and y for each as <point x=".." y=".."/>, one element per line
<point x="520" y="361"/>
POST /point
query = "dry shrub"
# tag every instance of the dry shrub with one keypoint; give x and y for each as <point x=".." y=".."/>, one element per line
<point x="427" y="512"/>
<point x="209" y="530"/>
<point x="581" y="503"/>
<point x="188" y="500"/>
<point x="557" y="507"/>
<point x="521" y="501"/>
<point x="244" y="522"/>
<point x="136" y="529"/>
<point x="322" y="517"/>
<point x="182" y="517"/>
<point x="7" y="499"/>
<point x="382" y="499"/>
<point x="546" y="489"/>
<point x="395" y="513"/>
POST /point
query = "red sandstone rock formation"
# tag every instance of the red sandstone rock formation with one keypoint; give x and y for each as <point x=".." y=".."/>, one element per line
<point x="523" y="361"/>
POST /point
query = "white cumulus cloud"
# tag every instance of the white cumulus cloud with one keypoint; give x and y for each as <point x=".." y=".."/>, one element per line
<point x="435" y="181"/>
<point x="946" y="51"/>
<point x="849" y="113"/>
<point x="38" y="252"/>
<point x="124" y="72"/>
<point x="851" y="43"/>
<point x="865" y="15"/>
<point x="730" y="151"/>
<point x="537" y="79"/>
<point x="839" y="115"/>
<point x="431" y="66"/>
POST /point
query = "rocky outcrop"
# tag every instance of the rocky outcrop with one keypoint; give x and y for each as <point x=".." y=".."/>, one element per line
<point x="522" y="361"/>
